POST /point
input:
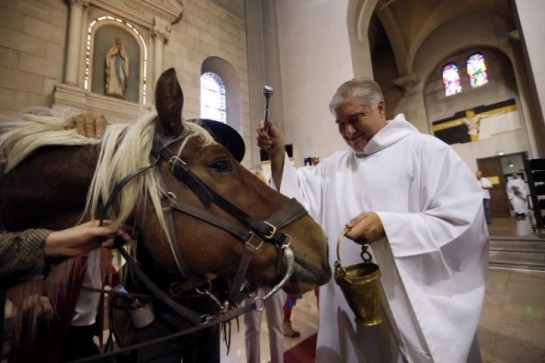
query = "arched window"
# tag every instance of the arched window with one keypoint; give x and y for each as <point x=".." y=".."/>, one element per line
<point x="213" y="105"/>
<point x="476" y="70"/>
<point x="451" y="79"/>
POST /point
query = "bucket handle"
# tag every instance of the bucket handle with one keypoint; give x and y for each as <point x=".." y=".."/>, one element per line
<point x="340" y="272"/>
<point x="365" y="255"/>
<point x="343" y="234"/>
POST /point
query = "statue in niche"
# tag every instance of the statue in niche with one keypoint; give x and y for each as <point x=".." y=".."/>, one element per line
<point x="117" y="69"/>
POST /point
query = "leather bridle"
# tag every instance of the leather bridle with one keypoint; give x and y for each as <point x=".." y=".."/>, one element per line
<point x="252" y="232"/>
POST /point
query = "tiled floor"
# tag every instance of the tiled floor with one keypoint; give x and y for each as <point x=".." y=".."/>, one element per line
<point x="513" y="227"/>
<point x="512" y="326"/>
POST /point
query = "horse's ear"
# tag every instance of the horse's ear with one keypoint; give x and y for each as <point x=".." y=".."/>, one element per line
<point x="169" y="101"/>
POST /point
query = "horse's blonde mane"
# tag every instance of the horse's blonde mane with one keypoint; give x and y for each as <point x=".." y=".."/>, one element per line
<point x="21" y="135"/>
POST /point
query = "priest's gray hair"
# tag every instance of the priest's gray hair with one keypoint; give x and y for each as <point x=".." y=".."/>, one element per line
<point x="364" y="89"/>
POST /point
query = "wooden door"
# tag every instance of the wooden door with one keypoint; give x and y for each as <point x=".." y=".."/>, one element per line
<point x="492" y="169"/>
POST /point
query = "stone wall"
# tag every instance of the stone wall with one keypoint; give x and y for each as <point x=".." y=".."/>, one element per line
<point x="32" y="42"/>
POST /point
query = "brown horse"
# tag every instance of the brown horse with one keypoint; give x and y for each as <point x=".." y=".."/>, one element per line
<point x="53" y="179"/>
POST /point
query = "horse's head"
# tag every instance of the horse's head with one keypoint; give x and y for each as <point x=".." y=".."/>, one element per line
<point x="212" y="246"/>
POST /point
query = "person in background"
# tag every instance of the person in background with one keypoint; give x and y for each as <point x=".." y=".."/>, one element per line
<point x="252" y="321"/>
<point x="413" y="199"/>
<point x="287" y="328"/>
<point x="517" y="193"/>
<point x="485" y="186"/>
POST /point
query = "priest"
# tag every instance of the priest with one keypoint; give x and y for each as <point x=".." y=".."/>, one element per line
<point x="419" y="207"/>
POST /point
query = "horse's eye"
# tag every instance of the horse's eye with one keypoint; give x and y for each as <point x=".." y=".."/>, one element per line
<point x="221" y="165"/>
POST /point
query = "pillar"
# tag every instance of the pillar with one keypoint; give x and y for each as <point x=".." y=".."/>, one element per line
<point x="74" y="41"/>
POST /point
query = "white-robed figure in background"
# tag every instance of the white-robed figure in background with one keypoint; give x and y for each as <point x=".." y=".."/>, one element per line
<point x="412" y="198"/>
<point x="517" y="193"/>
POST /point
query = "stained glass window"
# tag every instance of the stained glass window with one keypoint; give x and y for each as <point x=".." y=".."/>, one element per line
<point x="213" y="105"/>
<point x="476" y="70"/>
<point x="451" y="79"/>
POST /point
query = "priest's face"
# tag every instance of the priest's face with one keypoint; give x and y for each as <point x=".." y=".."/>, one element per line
<point x="358" y="122"/>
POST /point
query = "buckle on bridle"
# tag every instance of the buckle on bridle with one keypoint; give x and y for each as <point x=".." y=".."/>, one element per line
<point x="175" y="159"/>
<point x="272" y="233"/>
<point x="248" y="244"/>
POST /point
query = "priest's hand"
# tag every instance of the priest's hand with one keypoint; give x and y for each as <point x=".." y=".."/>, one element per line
<point x="366" y="227"/>
<point x="269" y="138"/>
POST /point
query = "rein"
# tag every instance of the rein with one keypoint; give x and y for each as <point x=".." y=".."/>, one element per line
<point x="228" y="315"/>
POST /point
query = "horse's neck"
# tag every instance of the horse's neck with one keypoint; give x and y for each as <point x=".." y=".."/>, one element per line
<point x="49" y="188"/>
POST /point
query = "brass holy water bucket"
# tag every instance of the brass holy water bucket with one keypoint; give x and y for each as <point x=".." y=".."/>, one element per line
<point x="360" y="285"/>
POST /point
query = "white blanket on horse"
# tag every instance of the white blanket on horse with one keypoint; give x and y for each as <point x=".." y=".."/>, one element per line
<point x="433" y="261"/>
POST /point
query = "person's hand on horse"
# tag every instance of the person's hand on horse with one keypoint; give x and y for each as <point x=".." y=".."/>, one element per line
<point x="366" y="227"/>
<point x="269" y="138"/>
<point x="89" y="124"/>
<point x="83" y="238"/>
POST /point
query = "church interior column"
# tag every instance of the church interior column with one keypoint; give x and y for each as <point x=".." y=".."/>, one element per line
<point x="160" y="33"/>
<point x="74" y="41"/>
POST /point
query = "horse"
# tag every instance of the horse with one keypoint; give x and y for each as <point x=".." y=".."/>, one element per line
<point x="201" y="216"/>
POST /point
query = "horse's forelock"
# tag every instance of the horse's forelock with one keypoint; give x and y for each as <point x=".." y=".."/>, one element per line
<point x="191" y="130"/>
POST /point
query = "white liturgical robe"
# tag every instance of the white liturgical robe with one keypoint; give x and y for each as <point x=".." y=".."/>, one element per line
<point x="433" y="260"/>
<point x="517" y="192"/>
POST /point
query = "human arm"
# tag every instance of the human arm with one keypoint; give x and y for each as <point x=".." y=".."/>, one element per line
<point x="22" y="255"/>
<point x="83" y="238"/>
<point x="485" y="184"/>
<point x="25" y="255"/>
<point x="509" y="190"/>
<point x="445" y="202"/>
<point x="273" y="143"/>
<point x="428" y="197"/>
<point x="366" y="227"/>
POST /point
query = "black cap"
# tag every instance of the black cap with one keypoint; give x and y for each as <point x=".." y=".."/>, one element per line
<point x="225" y="135"/>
